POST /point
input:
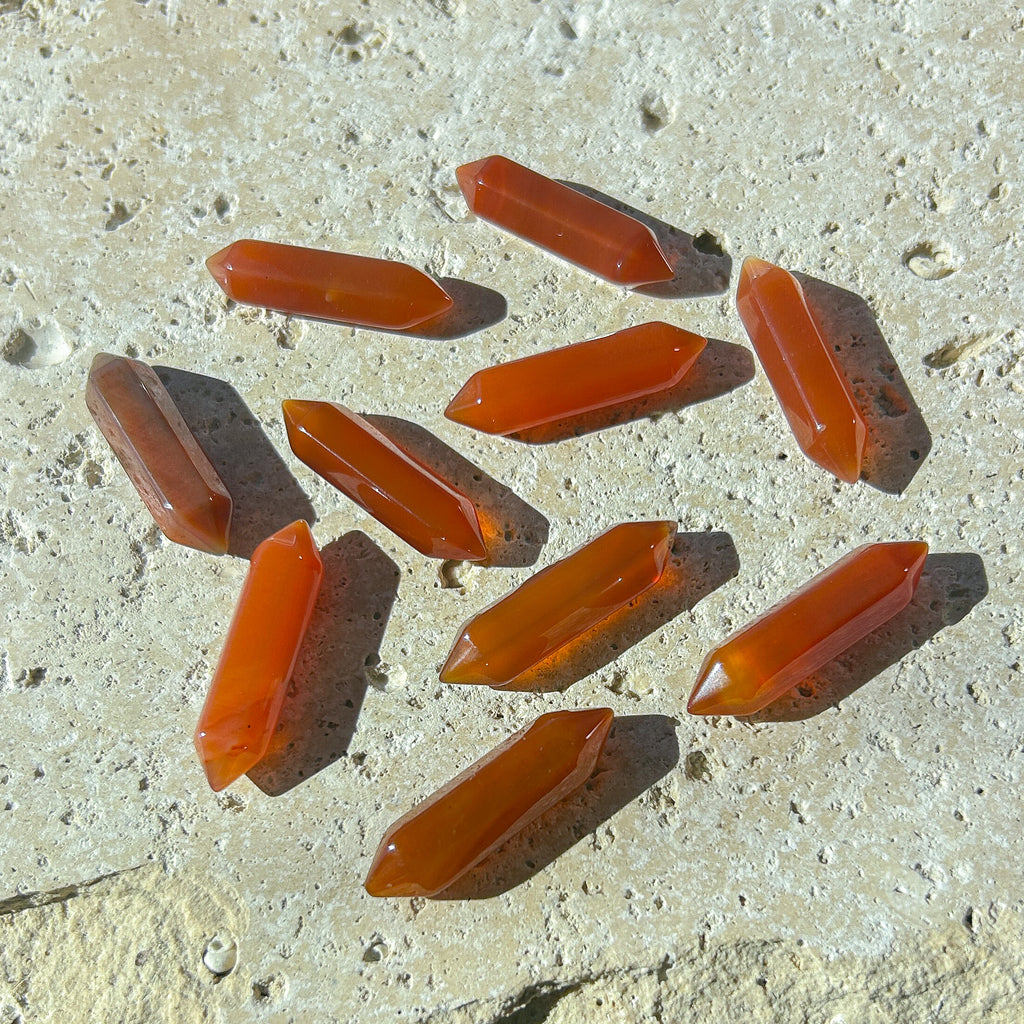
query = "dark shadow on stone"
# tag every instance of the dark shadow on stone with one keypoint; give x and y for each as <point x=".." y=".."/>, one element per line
<point x="640" y="750"/>
<point x="474" y="308"/>
<point x="700" y="563"/>
<point x="722" y="367"/>
<point x="327" y="690"/>
<point x="700" y="265"/>
<point x="898" y="439"/>
<point x="951" y="585"/>
<point x="265" y="494"/>
<point x="514" y="531"/>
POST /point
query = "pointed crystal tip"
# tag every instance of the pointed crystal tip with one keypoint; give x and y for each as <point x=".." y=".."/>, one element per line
<point x="464" y="408"/>
<point x="219" y="265"/>
<point x="467" y="175"/>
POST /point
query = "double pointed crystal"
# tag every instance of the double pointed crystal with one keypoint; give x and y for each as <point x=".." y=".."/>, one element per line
<point x="801" y="634"/>
<point x="258" y="658"/>
<point x="557" y="604"/>
<point x="568" y="223"/>
<point x="443" y="837"/>
<point x="565" y="382"/>
<point x="397" y="490"/>
<point x="357" y="290"/>
<point x="801" y="368"/>
<point x="161" y="456"/>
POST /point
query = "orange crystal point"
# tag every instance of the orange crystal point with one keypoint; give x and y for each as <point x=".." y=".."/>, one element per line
<point x="440" y="839"/>
<point x="559" y="603"/>
<point x="263" y="641"/>
<point x="801" y="368"/>
<point x="576" y="379"/>
<point x="799" y="635"/>
<point x="567" y="223"/>
<point x="161" y="456"/>
<point x="356" y="290"/>
<point x="397" y="490"/>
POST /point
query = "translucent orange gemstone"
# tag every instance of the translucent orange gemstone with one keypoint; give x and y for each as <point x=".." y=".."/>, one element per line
<point x="559" y="603"/>
<point x="263" y="641"/>
<point x="576" y="379"/>
<point x="796" y="637"/>
<point x="567" y="223"/>
<point x="162" y="458"/>
<point x="801" y="368"/>
<point x="397" y="490"/>
<point x="440" y="839"/>
<point x="328" y="285"/>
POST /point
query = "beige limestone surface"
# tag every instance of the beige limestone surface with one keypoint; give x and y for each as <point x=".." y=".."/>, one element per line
<point x="851" y="854"/>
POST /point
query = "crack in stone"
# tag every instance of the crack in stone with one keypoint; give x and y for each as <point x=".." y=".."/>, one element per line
<point x="32" y="900"/>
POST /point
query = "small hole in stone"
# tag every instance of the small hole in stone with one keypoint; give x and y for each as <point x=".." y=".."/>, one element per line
<point x="708" y="244"/>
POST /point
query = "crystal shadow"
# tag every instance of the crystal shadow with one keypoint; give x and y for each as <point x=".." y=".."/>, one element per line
<point x="898" y="439"/>
<point x="265" y="494"/>
<point x="699" y="564"/>
<point x="474" y="308"/>
<point x="721" y="367"/>
<point x="326" y="693"/>
<point x="950" y="586"/>
<point x="514" y="531"/>
<point x="640" y="750"/>
<point x="700" y="265"/>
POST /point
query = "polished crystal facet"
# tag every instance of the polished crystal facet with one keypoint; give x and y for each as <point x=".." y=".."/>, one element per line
<point x="564" y="382"/>
<point x="802" y="369"/>
<point x="796" y="637"/>
<point x="567" y="223"/>
<point x="357" y="290"/>
<point x="559" y="603"/>
<point x="397" y="490"/>
<point x="258" y="657"/>
<point x="162" y="458"/>
<point x="440" y="839"/>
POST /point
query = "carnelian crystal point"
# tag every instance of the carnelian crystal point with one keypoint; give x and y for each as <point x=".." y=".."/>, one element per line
<point x="256" y="663"/>
<point x="801" y="368"/>
<point x="450" y="832"/>
<point x="163" y="460"/>
<point x="798" y="636"/>
<point x="335" y="286"/>
<point x="557" y="604"/>
<point x="396" y="489"/>
<point x="568" y="223"/>
<point x="552" y="386"/>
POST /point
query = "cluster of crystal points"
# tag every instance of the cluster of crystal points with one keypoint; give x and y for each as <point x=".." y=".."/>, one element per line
<point x="440" y="839"/>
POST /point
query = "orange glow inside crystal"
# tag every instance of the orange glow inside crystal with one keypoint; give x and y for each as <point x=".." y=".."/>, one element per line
<point x="559" y="603"/>
<point x="443" y="837"/>
<point x="256" y="663"/>
<point x="801" y="368"/>
<point x="567" y="223"/>
<point x="564" y="382"/>
<point x="798" y="636"/>
<point x="336" y="286"/>
<point x="397" y="490"/>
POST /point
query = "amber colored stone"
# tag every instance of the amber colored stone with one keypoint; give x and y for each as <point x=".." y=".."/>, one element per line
<point x="161" y="456"/>
<point x="396" y="489"/>
<point x="356" y="290"/>
<point x="258" y="657"/>
<point x="443" y="837"/>
<point x="795" y="638"/>
<point x="554" y="216"/>
<point x="557" y="604"/>
<point x="576" y="379"/>
<point x="801" y="368"/>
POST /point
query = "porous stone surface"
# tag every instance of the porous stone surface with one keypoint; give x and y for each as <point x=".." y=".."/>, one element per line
<point x="849" y="854"/>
